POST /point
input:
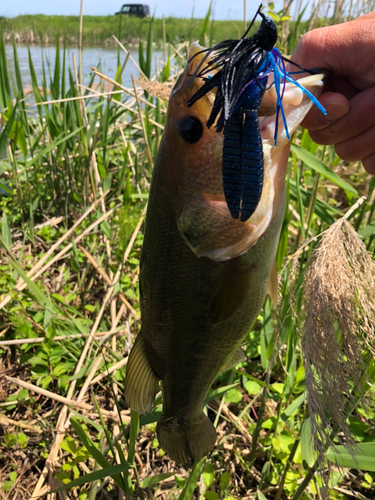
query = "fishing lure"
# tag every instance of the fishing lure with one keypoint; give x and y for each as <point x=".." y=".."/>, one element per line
<point x="241" y="82"/>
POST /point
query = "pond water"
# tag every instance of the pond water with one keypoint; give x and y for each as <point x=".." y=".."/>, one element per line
<point x="105" y="58"/>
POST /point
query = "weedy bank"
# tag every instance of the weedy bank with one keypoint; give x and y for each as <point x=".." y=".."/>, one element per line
<point x="98" y="30"/>
<point x="75" y="170"/>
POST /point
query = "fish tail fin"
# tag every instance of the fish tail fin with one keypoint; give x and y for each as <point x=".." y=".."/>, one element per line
<point x="141" y="383"/>
<point x="185" y="441"/>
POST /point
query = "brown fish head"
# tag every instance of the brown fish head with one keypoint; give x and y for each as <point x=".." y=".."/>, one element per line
<point x="192" y="151"/>
<point x="191" y="157"/>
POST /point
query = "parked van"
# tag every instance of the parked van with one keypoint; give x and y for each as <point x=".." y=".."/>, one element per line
<point x="135" y="9"/>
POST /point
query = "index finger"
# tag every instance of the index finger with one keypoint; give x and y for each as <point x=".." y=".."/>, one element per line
<point x="345" y="49"/>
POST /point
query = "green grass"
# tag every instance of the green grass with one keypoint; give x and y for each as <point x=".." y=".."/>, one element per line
<point x="98" y="30"/>
<point x="56" y="161"/>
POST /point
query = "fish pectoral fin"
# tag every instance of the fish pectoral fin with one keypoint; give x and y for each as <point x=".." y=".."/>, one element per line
<point x="273" y="288"/>
<point x="237" y="357"/>
<point x="186" y="441"/>
<point x="141" y="383"/>
<point x="230" y="292"/>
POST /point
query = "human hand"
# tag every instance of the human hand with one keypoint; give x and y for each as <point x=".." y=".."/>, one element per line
<point x="348" y="51"/>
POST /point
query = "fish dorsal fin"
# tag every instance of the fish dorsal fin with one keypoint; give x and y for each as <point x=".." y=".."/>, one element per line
<point x="237" y="357"/>
<point x="141" y="383"/>
<point x="230" y="292"/>
<point x="273" y="288"/>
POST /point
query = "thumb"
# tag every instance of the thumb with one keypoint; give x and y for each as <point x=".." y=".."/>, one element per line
<point x="336" y="105"/>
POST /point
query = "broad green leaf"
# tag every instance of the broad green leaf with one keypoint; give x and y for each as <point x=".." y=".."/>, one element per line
<point x="19" y="136"/>
<point x="250" y="377"/>
<point x="368" y="230"/>
<point x="283" y="442"/>
<point x="166" y="70"/>
<point x="211" y="495"/>
<point x="5" y="231"/>
<point x="217" y="393"/>
<point x="142" y="196"/>
<point x="224" y="481"/>
<point x="307" y="447"/>
<point x="293" y="407"/>
<point x="233" y="396"/>
<point x="150" y="418"/>
<point x="133" y="434"/>
<point x="317" y="165"/>
<point x="112" y="471"/>
<point x="208" y="475"/>
<point x="141" y="58"/>
<point x="149" y="48"/>
<point x="96" y="454"/>
<point x="192" y="480"/>
<point x="104" y="226"/>
<point x="362" y="456"/>
<point x="252" y="387"/>
<point x="277" y="387"/>
<point x="87" y="420"/>
<point x="266" y="336"/>
<point x="261" y="496"/>
<point x="180" y="481"/>
<point x="368" y="478"/>
<point x="34" y="289"/>
<point x="5" y="188"/>
<point x="205" y="25"/>
<point x="5" y="133"/>
<point x="150" y="481"/>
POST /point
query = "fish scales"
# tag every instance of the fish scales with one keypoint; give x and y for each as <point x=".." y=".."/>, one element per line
<point x="203" y="275"/>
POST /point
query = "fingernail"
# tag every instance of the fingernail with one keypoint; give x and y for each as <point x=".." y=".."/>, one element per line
<point x="369" y="164"/>
<point x="335" y="110"/>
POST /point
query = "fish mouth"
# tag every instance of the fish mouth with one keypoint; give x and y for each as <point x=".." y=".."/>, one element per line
<point x="296" y="105"/>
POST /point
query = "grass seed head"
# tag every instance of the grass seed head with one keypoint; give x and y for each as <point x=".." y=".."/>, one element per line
<point x="339" y="313"/>
<point x="154" y="88"/>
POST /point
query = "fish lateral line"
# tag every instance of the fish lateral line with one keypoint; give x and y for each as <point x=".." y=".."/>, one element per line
<point x="243" y="62"/>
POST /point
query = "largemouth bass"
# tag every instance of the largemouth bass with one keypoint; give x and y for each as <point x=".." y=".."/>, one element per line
<point x="203" y="275"/>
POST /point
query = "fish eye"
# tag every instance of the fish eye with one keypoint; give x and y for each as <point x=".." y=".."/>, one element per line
<point x="190" y="129"/>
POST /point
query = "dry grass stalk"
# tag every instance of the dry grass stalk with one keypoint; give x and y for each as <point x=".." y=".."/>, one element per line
<point x="33" y="273"/>
<point x="40" y="340"/>
<point x="124" y="89"/>
<point x="64" y="417"/>
<point x="80" y="405"/>
<point x="110" y="370"/>
<point x="128" y="54"/>
<point x="7" y="422"/>
<point x="107" y="279"/>
<point x="156" y="89"/>
<point x="339" y="314"/>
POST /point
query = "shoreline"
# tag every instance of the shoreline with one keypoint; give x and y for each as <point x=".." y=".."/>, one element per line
<point x="98" y="30"/>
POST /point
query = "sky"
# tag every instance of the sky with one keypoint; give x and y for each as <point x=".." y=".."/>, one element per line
<point x="223" y="9"/>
